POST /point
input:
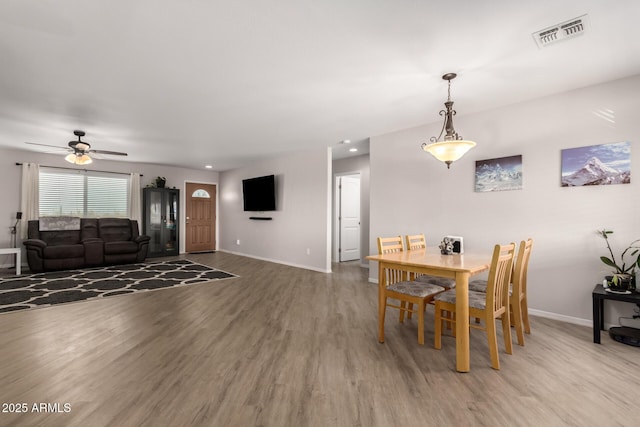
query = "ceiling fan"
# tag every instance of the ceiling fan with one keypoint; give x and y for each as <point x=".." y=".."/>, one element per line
<point x="79" y="150"/>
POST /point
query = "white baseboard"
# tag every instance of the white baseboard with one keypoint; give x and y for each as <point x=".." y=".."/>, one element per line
<point x="290" y="264"/>
<point x="561" y="317"/>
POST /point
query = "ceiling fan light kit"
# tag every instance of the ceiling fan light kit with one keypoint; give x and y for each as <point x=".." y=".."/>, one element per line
<point x="79" y="150"/>
<point x="78" y="159"/>
<point x="452" y="147"/>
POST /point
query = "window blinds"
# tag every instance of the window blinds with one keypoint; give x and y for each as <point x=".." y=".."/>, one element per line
<point x="86" y="194"/>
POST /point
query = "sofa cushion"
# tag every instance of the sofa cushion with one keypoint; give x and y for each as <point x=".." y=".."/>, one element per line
<point x="62" y="237"/>
<point x="64" y="251"/>
<point x="89" y="228"/>
<point x="120" y="248"/>
<point x="114" y="229"/>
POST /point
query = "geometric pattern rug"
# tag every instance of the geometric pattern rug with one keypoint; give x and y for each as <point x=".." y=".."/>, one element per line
<point x="45" y="289"/>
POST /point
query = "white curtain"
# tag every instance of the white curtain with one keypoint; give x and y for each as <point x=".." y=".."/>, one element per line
<point x="30" y="201"/>
<point x="135" y="203"/>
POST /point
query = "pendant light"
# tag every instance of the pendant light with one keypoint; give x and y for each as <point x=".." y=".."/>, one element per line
<point x="452" y="147"/>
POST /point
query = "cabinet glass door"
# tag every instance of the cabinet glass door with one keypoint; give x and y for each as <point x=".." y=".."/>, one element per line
<point x="155" y="221"/>
<point x="171" y="211"/>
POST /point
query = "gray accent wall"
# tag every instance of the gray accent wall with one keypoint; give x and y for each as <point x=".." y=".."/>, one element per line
<point x="412" y="192"/>
<point x="299" y="232"/>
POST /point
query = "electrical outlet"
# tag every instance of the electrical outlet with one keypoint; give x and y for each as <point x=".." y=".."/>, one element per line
<point x="238" y="242"/>
<point x="308" y="251"/>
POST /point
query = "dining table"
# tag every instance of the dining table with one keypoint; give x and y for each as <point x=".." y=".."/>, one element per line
<point x="431" y="261"/>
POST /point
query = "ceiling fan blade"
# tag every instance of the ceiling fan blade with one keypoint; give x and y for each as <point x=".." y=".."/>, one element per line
<point x="47" y="145"/>
<point x="112" y="153"/>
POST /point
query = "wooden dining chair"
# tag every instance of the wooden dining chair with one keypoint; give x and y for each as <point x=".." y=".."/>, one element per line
<point x="519" y="304"/>
<point x="489" y="306"/>
<point x="517" y="291"/>
<point x="416" y="242"/>
<point x="407" y="292"/>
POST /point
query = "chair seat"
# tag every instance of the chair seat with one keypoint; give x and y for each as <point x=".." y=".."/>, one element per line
<point x="415" y="289"/>
<point x="476" y="299"/>
<point x="481" y="286"/>
<point x="435" y="280"/>
<point x="478" y="286"/>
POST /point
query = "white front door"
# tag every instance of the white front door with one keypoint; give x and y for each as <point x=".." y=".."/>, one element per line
<point x="349" y="218"/>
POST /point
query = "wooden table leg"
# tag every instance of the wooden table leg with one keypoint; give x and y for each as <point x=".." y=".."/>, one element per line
<point x="381" y="310"/>
<point x="462" y="322"/>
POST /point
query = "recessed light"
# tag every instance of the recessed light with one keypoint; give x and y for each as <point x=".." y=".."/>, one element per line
<point x="209" y="167"/>
<point x="353" y="149"/>
<point x="346" y="141"/>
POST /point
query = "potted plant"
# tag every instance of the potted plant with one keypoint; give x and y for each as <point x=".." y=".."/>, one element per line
<point x="161" y="181"/>
<point x="623" y="277"/>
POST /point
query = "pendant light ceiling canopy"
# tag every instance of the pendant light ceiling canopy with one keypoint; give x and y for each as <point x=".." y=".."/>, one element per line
<point x="451" y="147"/>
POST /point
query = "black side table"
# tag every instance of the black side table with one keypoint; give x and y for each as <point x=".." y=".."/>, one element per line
<point x="598" y="296"/>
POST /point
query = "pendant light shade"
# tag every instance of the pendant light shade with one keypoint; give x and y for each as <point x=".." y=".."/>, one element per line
<point x="78" y="159"/>
<point x="452" y="147"/>
<point x="449" y="151"/>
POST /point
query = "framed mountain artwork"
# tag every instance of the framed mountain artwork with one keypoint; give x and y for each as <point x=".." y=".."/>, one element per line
<point x="603" y="164"/>
<point x="501" y="174"/>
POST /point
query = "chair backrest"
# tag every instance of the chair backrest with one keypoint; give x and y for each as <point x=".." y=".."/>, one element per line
<point x="415" y="241"/>
<point x="500" y="277"/>
<point x="521" y="267"/>
<point x="387" y="245"/>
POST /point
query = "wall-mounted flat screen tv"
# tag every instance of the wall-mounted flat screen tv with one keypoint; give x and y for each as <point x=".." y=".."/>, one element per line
<point x="259" y="194"/>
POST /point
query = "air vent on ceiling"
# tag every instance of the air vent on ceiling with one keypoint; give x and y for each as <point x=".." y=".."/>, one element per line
<point x="563" y="31"/>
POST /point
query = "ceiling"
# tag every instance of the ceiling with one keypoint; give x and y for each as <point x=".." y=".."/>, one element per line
<point x="225" y="83"/>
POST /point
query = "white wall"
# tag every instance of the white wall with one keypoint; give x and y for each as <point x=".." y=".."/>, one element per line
<point x="302" y="221"/>
<point x="411" y="192"/>
<point x="357" y="164"/>
<point x="10" y="176"/>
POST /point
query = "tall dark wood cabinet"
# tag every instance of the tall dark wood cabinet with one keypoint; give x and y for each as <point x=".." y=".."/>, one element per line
<point x="161" y="220"/>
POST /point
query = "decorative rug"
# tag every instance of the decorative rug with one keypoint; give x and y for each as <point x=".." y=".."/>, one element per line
<point x="44" y="289"/>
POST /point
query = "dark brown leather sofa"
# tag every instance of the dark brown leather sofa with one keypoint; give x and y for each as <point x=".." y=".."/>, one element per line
<point x="99" y="241"/>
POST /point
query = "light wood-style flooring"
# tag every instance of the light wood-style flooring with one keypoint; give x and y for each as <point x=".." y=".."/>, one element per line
<point x="282" y="346"/>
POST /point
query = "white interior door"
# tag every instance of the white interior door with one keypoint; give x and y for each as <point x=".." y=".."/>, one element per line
<point x="349" y="218"/>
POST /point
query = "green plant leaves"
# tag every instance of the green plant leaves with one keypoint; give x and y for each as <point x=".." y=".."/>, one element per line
<point x="609" y="262"/>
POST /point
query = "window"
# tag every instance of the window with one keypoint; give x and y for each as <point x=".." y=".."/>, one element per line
<point x="200" y="193"/>
<point x="86" y="194"/>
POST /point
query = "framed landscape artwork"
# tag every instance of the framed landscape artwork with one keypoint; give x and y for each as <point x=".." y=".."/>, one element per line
<point x="603" y="164"/>
<point x="501" y="174"/>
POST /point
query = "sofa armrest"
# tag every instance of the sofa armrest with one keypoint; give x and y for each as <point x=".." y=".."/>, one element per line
<point x="35" y="243"/>
<point x="93" y="251"/>
<point x="35" y="254"/>
<point x="141" y="239"/>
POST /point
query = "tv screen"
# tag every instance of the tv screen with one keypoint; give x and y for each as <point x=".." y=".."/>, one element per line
<point x="259" y="194"/>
